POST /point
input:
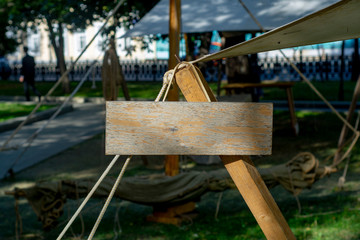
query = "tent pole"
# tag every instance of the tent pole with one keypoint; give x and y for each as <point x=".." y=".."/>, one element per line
<point x="172" y="162"/>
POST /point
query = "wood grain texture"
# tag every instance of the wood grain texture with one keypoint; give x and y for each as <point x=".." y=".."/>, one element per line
<point x="197" y="90"/>
<point x="180" y="128"/>
<point x="258" y="198"/>
<point x="193" y="89"/>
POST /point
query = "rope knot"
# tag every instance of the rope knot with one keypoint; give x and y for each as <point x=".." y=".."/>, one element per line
<point x="328" y="170"/>
<point x="168" y="77"/>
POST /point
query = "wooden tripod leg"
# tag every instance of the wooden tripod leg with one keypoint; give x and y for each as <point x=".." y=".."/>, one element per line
<point x="258" y="198"/>
<point x="244" y="174"/>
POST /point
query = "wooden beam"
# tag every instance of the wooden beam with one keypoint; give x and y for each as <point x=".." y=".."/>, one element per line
<point x="174" y="42"/>
<point x="245" y="176"/>
<point x="172" y="161"/>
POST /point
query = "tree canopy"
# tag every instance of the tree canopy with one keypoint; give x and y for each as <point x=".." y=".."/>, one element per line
<point x="7" y="41"/>
<point x="72" y="15"/>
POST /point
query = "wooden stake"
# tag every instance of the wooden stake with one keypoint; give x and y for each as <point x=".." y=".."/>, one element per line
<point x="241" y="169"/>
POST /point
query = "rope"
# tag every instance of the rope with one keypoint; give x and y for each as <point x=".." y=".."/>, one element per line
<point x="34" y="135"/>
<point x="319" y="94"/>
<point x="356" y="132"/>
<point x="357" y="135"/>
<point x="117" y="227"/>
<point x="103" y="210"/>
<point x="301" y="74"/>
<point x="113" y="161"/>
<point x="62" y="76"/>
<point x="293" y="188"/>
<point x="342" y="179"/>
<point x="168" y="79"/>
<point x="170" y="75"/>
<point x="218" y="205"/>
<point x="18" y="221"/>
<point x="80" y="215"/>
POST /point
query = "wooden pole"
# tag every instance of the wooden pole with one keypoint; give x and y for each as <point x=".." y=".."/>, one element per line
<point x="172" y="161"/>
<point x="241" y="169"/>
<point x="174" y="42"/>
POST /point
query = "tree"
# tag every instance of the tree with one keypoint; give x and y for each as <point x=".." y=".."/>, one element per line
<point x="73" y="15"/>
<point x="8" y="42"/>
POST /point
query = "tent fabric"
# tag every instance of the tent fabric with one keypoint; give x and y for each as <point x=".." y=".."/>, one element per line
<point x="334" y="23"/>
<point x="225" y="15"/>
<point x="48" y="198"/>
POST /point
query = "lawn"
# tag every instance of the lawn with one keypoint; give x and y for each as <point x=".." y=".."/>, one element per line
<point x="327" y="212"/>
<point x="149" y="90"/>
<point x="12" y="110"/>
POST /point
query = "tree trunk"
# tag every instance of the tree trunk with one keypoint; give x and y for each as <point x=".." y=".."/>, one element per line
<point x="59" y="52"/>
<point x="61" y="61"/>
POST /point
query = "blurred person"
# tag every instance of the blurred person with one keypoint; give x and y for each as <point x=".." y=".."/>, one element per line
<point x="28" y="75"/>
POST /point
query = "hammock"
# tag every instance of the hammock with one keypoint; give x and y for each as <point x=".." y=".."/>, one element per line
<point x="48" y="198"/>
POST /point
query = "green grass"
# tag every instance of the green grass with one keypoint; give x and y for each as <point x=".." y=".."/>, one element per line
<point x="145" y="90"/>
<point x="323" y="218"/>
<point x="331" y="215"/>
<point x="149" y="90"/>
<point x="13" y="110"/>
<point x="302" y="91"/>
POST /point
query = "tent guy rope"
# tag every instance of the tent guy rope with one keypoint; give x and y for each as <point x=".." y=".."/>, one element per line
<point x="30" y="139"/>
<point x="168" y="80"/>
<point x="356" y="132"/>
<point x="62" y="76"/>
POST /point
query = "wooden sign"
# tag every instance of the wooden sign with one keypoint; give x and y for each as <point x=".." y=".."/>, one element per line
<point x="183" y="128"/>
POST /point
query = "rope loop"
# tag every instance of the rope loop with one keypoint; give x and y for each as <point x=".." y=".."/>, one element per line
<point x="168" y="80"/>
<point x="168" y="76"/>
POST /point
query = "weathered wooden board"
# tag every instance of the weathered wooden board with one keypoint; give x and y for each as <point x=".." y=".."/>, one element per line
<point x="182" y="128"/>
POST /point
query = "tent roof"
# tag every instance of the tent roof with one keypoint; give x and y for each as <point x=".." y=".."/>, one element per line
<point x="225" y="15"/>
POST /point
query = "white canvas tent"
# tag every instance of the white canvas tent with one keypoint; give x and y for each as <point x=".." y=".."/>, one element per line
<point x="225" y="15"/>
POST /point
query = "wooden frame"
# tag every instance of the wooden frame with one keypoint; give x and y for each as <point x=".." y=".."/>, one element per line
<point x="246" y="177"/>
